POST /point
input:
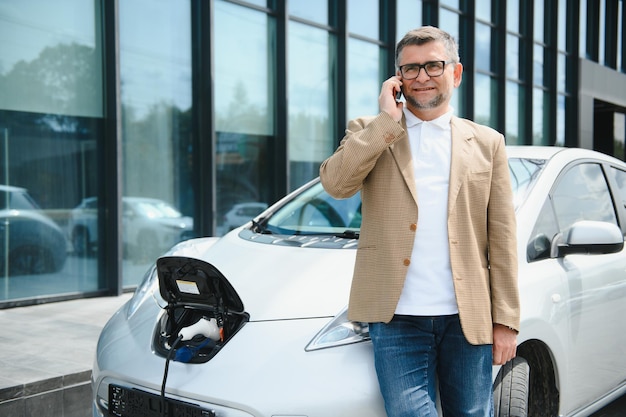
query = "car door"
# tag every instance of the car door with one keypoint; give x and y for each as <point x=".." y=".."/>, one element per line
<point x="594" y="295"/>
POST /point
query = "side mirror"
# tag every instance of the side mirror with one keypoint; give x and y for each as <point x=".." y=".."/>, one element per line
<point x="588" y="237"/>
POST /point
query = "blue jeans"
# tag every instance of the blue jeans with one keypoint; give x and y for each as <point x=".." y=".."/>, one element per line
<point x="412" y="354"/>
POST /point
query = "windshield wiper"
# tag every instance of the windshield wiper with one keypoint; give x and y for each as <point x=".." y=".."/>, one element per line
<point x="348" y="234"/>
<point x="260" y="226"/>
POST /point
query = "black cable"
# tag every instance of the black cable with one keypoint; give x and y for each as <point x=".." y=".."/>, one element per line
<point x="167" y="367"/>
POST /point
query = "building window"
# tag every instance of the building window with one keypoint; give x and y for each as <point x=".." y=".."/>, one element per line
<point x="244" y="42"/>
<point x="305" y="9"/>
<point x="449" y="21"/>
<point x="310" y="118"/>
<point x="155" y="72"/>
<point x="408" y="17"/>
<point x="363" y="78"/>
<point x="363" y="16"/>
<point x="51" y="111"/>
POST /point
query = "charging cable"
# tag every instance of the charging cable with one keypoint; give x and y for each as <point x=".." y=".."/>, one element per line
<point x="207" y="328"/>
<point x="167" y="367"/>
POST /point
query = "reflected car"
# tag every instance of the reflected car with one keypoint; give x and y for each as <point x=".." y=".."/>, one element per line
<point x="242" y="213"/>
<point x="254" y="323"/>
<point x="30" y="242"/>
<point x="150" y="226"/>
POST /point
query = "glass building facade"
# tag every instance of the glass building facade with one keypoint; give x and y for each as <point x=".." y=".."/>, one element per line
<point x="127" y="126"/>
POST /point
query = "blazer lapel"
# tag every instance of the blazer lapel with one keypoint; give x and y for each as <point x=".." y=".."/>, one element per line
<point x="401" y="151"/>
<point x="462" y="150"/>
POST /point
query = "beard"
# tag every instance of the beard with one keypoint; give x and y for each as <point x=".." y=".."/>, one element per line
<point x="430" y="104"/>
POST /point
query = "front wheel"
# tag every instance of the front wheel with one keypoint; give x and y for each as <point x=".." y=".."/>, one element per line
<point x="510" y="389"/>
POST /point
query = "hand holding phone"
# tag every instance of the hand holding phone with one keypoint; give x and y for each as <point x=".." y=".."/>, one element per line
<point x="390" y="98"/>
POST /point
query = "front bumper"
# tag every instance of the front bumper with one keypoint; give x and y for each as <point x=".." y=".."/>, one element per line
<point x="262" y="371"/>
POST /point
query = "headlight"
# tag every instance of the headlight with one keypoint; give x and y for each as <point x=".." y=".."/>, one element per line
<point x="146" y="289"/>
<point x="340" y="331"/>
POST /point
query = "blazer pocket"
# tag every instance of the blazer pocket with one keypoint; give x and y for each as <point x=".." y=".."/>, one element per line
<point x="479" y="176"/>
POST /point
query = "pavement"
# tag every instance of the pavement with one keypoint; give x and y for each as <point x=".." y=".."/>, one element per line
<point x="46" y="355"/>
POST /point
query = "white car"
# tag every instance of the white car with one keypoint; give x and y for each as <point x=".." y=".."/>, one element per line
<point x="30" y="241"/>
<point x="254" y="323"/>
<point x="150" y="226"/>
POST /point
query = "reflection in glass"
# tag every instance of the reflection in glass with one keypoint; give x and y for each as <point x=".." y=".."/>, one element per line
<point x="538" y="65"/>
<point x="56" y="70"/>
<point x="538" y="22"/>
<point x="306" y="9"/>
<point x="483" y="10"/>
<point x="512" y="133"/>
<point x="483" y="47"/>
<point x="602" y="35"/>
<point x="363" y="18"/>
<point x="512" y="57"/>
<point x="310" y="128"/>
<point x="619" y="177"/>
<point x="485" y="87"/>
<point x="539" y="101"/>
<point x="243" y="99"/>
<point x="155" y="70"/>
<point x="408" y="16"/>
<point x="244" y="116"/>
<point x="561" y="72"/>
<point x="363" y="78"/>
<point x="50" y="122"/>
<point x="582" y="27"/>
<point x="583" y="194"/>
<point x="560" y="120"/>
<point x="449" y="21"/>
<point x="562" y="25"/>
<point x="512" y="16"/>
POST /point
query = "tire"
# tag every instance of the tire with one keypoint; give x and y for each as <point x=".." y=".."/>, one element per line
<point x="510" y="389"/>
<point x="80" y="242"/>
<point x="30" y="260"/>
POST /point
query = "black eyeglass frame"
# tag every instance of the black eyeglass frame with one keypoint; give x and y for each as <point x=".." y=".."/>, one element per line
<point x="423" y="66"/>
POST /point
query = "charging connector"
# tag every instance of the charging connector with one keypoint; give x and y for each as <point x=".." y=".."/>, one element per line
<point x="204" y="327"/>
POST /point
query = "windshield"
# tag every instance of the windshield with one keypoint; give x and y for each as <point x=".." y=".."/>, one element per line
<point x="314" y="212"/>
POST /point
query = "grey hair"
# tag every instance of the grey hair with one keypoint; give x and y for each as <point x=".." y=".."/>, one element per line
<point x="426" y="34"/>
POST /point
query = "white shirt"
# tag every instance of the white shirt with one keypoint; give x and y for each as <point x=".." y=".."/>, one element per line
<point x="428" y="288"/>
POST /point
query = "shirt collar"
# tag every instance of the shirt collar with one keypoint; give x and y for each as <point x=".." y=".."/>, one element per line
<point x="443" y="121"/>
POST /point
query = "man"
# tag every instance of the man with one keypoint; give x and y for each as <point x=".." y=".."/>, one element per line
<point x="436" y="269"/>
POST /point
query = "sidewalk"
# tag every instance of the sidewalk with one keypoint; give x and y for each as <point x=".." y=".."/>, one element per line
<point x="46" y="356"/>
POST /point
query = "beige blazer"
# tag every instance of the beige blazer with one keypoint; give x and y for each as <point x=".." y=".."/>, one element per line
<point x="374" y="157"/>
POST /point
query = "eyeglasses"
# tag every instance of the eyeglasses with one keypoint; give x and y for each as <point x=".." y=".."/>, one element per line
<point x="432" y="68"/>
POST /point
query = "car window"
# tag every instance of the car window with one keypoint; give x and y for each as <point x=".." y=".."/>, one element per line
<point x="583" y="194"/>
<point x="620" y="180"/>
<point x="545" y="229"/>
<point x="523" y="172"/>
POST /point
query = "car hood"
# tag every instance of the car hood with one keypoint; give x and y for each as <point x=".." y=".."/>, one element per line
<point x="277" y="282"/>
